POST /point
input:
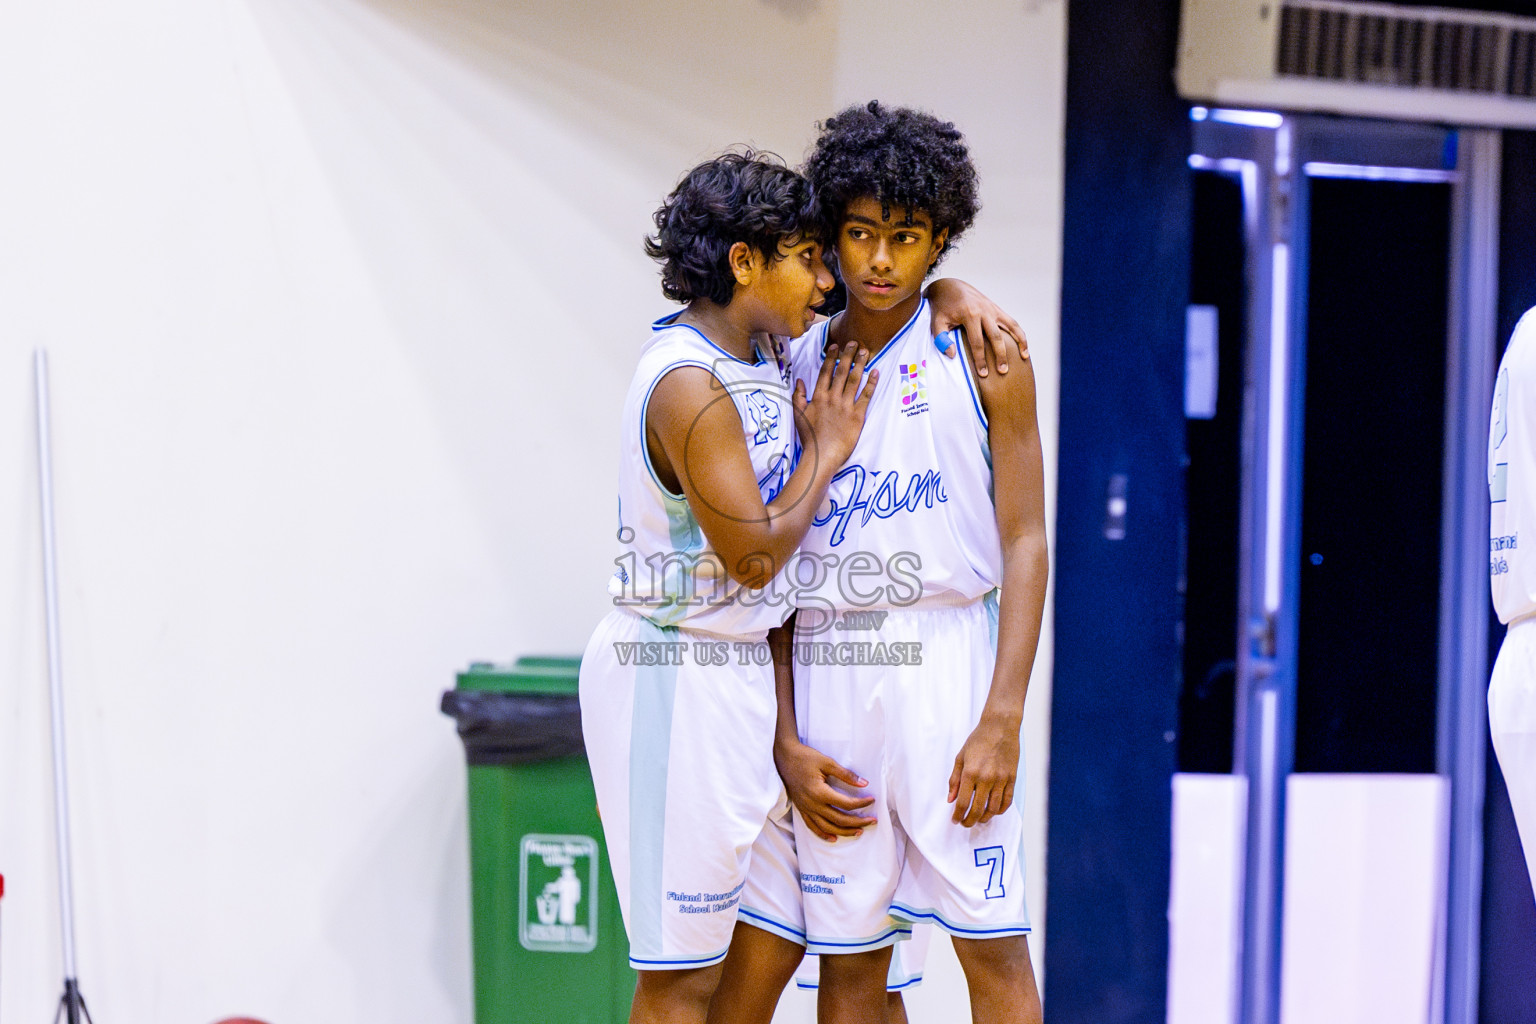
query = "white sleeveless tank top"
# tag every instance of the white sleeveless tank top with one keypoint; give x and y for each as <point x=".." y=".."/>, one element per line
<point x="667" y="571"/>
<point x="1512" y="477"/>
<point x="909" y="519"/>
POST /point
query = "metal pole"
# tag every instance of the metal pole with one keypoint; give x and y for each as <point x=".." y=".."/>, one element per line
<point x="1267" y="643"/>
<point x="1471" y="365"/>
<point x="55" y="688"/>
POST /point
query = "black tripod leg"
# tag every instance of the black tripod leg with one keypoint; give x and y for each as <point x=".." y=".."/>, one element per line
<point x="71" y="1004"/>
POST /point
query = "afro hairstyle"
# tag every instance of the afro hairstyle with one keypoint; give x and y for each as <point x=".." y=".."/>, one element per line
<point x="900" y="156"/>
<point x="746" y="197"/>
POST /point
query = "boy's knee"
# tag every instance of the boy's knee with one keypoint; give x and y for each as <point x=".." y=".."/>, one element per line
<point x="1001" y="957"/>
<point x="680" y="988"/>
<point x="856" y="968"/>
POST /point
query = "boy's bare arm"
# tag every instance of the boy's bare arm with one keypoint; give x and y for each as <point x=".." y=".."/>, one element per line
<point x="986" y="768"/>
<point x="806" y="771"/>
<point x="692" y="423"/>
<point x="987" y="327"/>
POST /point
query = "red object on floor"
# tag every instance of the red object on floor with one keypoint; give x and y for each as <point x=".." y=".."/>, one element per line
<point x="240" y="1020"/>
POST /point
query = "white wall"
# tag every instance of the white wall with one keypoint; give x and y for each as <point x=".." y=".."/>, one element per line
<point x="340" y="295"/>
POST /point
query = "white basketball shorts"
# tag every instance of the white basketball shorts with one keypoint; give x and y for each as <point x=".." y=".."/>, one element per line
<point x="1512" y="721"/>
<point x="681" y="751"/>
<point x="900" y="726"/>
<point x="772" y="901"/>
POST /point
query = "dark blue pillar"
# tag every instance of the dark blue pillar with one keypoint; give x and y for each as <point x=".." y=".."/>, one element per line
<point x="1125" y="285"/>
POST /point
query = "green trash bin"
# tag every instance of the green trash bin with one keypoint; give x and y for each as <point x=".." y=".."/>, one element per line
<point x="549" y="943"/>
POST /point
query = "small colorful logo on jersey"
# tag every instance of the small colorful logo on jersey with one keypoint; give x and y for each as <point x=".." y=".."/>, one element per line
<point x="914" y="387"/>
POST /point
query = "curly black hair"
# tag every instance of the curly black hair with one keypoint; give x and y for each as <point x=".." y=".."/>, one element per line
<point x="746" y="197"/>
<point x="900" y="156"/>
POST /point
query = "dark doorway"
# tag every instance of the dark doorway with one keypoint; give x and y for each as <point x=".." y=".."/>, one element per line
<point x="1372" y="481"/>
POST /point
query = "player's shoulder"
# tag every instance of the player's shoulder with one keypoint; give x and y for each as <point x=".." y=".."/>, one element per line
<point x="1521" y="353"/>
<point x="1525" y="327"/>
<point x="1006" y="397"/>
<point x="1018" y="381"/>
<point x="677" y="363"/>
<point x="664" y="335"/>
<point x="673" y="344"/>
<point x="668" y="332"/>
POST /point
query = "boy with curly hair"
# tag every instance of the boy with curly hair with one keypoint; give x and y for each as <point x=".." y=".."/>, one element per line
<point x="931" y="540"/>
<point x="679" y="739"/>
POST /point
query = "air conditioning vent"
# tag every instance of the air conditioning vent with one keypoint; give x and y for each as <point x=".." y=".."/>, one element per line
<point x="1457" y="67"/>
<point x="1425" y="48"/>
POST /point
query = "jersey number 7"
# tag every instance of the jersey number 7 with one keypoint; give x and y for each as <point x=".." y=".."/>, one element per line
<point x="991" y="857"/>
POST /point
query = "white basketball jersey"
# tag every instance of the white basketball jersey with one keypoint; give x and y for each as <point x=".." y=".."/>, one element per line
<point x="909" y="518"/>
<point x="1512" y="477"/>
<point x="666" y="570"/>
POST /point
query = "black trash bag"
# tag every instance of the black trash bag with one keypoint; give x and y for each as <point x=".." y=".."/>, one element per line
<point x="515" y="728"/>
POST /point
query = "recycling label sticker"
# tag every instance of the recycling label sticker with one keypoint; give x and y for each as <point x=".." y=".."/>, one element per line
<point x="557" y="905"/>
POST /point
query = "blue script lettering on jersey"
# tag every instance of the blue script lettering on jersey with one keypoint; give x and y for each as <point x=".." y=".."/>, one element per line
<point x="772" y="482"/>
<point x="765" y="418"/>
<point x="922" y="489"/>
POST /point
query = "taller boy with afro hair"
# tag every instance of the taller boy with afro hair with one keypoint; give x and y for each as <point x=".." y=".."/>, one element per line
<point x="938" y="519"/>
